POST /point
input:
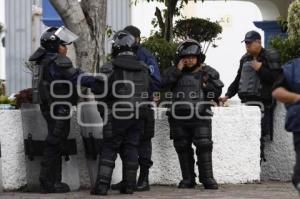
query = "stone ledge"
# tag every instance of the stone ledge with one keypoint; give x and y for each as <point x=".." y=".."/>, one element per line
<point x="236" y="135"/>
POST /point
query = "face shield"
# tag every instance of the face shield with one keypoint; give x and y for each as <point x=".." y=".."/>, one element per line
<point x="65" y="35"/>
<point x="189" y="50"/>
<point x="122" y="38"/>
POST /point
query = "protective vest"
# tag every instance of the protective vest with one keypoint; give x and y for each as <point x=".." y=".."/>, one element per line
<point x="48" y="68"/>
<point x="250" y="84"/>
<point x="131" y="81"/>
<point x="188" y="92"/>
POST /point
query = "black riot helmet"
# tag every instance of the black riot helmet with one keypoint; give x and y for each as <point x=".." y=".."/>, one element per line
<point x="54" y="36"/>
<point x="123" y="42"/>
<point x="188" y="48"/>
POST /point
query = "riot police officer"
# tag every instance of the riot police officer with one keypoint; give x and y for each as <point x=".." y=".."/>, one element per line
<point x="194" y="86"/>
<point x="54" y="67"/>
<point x="253" y="82"/>
<point x="128" y="82"/>
<point x="145" y="146"/>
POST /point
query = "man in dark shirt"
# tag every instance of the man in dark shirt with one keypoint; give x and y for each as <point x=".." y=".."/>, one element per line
<point x="284" y="92"/>
<point x="254" y="80"/>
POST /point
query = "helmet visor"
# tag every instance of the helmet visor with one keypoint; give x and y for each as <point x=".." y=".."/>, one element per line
<point x="65" y="35"/>
<point x="122" y="38"/>
<point x="192" y="49"/>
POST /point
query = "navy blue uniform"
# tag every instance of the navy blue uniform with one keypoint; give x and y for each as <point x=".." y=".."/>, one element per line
<point x="145" y="145"/>
<point x="197" y="131"/>
<point x="58" y="68"/>
<point x="122" y="134"/>
<point x="282" y="82"/>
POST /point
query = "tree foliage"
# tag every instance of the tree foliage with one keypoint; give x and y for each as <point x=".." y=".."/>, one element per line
<point x="201" y="30"/>
<point x="294" y="19"/>
<point x="164" y="17"/>
<point x="289" y="47"/>
<point x="163" y="50"/>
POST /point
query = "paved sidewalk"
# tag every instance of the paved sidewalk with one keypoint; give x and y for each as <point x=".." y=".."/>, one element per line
<point x="266" y="190"/>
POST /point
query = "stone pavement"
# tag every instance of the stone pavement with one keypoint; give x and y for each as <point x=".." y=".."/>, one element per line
<point x="266" y="190"/>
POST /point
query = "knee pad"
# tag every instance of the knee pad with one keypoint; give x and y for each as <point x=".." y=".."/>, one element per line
<point x="130" y="171"/>
<point x="203" y="144"/>
<point x="202" y="132"/>
<point x="131" y="165"/>
<point x="105" y="171"/>
<point x="182" y="145"/>
<point x="107" y="130"/>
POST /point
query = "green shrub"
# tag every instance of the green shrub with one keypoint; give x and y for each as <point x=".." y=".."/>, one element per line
<point x="288" y="48"/>
<point x="294" y="19"/>
<point x="163" y="51"/>
<point x="201" y="30"/>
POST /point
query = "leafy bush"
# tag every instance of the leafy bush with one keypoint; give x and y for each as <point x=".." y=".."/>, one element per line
<point x="294" y="19"/>
<point x="289" y="48"/>
<point x="201" y="30"/>
<point x="163" y="51"/>
<point x="196" y="28"/>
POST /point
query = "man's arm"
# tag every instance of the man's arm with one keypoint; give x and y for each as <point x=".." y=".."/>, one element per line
<point x="266" y="74"/>
<point x="285" y="96"/>
<point x="234" y="86"/>
<point x="281" y="91"/>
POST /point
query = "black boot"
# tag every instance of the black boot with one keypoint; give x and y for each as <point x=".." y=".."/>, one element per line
<point x="296" y="182"/>
<point x="103" y="178"/>
<point x="50" y="178"/>
<point x="143" y="181"/>
<point x="46" y="186"/>
<point x="187" y="162"/>
<point x="205" y="170"/>
<point x="129" y="184"/>
<point x="119" y="185"/>
<point x="59" y="186"/>
<point x="49" y="187"/>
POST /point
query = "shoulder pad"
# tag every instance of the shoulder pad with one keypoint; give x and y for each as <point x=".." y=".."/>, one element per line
<point x="213" y="73"/>
<point x="38" y="54"/>
<point x="213" y="76"/>
<point x="63" y="61"/>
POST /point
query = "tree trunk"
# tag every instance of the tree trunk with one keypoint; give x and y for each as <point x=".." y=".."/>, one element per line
<point x="160" y="20"/>
<point x="171" y="6"/>
<point x="88" y="21"/>
<point x="95" y="13"/>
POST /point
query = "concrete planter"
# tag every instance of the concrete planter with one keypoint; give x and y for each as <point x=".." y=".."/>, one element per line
<point x="236" y="153"/>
